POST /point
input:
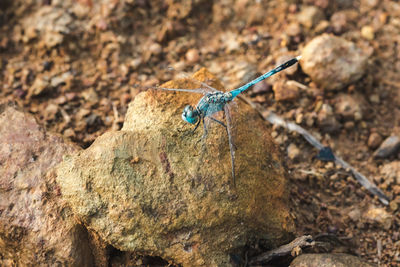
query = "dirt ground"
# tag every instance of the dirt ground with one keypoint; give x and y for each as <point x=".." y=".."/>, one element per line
<point x="75" y="64"/>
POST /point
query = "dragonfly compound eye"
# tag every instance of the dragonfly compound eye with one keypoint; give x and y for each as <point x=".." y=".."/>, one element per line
<point x="189" y="115"/>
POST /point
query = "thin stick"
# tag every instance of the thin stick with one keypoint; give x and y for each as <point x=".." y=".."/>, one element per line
<point x="302" y="241"/>
<point x="276" y="120"/>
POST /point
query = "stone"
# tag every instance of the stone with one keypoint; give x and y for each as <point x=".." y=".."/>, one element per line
<point x="378" y="215"/>
<point x="391" y="172"/>
<point x="354" y="214"/>
<point x="261" y="87"/>
<point x="374" y="140"/>
<point x="293" y="152"/>
<point x="388" y="147"/>
<point x="36" y="227"/>
<point x="284" y="91"/>
<point x="350" y="107"/>
<point x="368" y="32"/>
<point x="327" y="120"/>
<point x="310" y="16"/>
<point x="293" y="29"/>
<point x="40" y="85"/>
<point x="155" y="188"/>
<point x="192" y="55"/>
<point x="333" y="62"/>
<point x="155" y="49"/>
<point x="328" y="260"/>
<point x="341" y="20"/>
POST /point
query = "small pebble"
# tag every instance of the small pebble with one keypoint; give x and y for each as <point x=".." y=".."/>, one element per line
<point x="350" y="106"/>
<point x="299" y="118"/>
<point x="322" y="26"/>
<point x="327" y="120"/>
<point x="309" y="16"/>
<point x="192" y="55"/>
<point x="293" y="29"/>
<point x="374" y="140"/>
<point x="339" y="21"/>
<point x="261" y="87"/>
<point x="155" y="48"/>
<point x="388" y="147"/>
<point x="369" y="3"/>
<point x="393" y="206"/>
<point x="69" y="133"/>
<point x="354" y="214"/>
<point x="378" y="215"/>
<point x="309" y="119"/>
<point x="285" y="91"/>
<point x="391" y="172"/>
<point x="349" y="125"/>
<point x="368" y="32"/>
<point x="375" y="99"/>
<point x="293" y="152"/>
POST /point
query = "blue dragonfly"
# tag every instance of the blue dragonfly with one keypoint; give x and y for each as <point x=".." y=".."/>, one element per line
<point x="214" y="101"/>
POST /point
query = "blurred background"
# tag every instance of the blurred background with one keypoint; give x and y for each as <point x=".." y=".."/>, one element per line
<point x="74" y="64"/>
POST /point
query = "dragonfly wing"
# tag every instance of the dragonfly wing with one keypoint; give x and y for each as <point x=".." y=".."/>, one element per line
<point x="196" y="90"/>
<point x="209" y="88"/>
<point x="229" y="129"/>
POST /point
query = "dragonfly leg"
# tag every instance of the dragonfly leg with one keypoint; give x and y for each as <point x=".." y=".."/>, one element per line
<point x="217" y="121"/>
<point x="223" y="124"/>
<point x="205" y="130"/>
<point x="197" y="125"/>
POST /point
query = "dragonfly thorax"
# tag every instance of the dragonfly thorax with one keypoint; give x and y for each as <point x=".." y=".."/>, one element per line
<point x="190" y="115"/>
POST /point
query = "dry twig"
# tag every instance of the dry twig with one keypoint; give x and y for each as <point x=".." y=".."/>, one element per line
<point x="275" y="119"/>
<point x="295" y="245"/>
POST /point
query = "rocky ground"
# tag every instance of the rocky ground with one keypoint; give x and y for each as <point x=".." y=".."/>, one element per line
<point x="75" y="65"/>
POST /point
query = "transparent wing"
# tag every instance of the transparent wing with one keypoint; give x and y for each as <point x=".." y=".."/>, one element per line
<point x="196" y="90"/>
<point x="229" y="129"/>
<point x="214" y="108"/>
<point x="203" y="84"/>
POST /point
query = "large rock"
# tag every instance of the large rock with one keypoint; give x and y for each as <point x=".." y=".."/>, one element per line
<point x="36" y="227"/>
<point x="333" y="62"/>
<point x="328" y="260"/>
<point x="152" y="189"/>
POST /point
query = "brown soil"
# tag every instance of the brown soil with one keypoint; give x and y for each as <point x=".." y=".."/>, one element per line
<point x="75" y="66"/>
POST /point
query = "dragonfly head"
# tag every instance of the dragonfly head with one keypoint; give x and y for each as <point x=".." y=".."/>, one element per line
<point x="190" y="115"/>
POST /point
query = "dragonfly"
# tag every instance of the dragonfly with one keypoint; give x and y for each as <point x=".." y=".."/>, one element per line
<point x="214" y="101"/>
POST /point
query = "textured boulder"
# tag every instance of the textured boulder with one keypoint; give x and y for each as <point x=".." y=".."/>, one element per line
<point x="328" y="260"/>
<point x="155" y="188"/>
<point x="333" y="62"/>
<point x="35" y="227"/>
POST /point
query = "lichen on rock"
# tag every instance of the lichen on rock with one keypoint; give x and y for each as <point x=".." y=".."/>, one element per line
<point x="157" y="189"/>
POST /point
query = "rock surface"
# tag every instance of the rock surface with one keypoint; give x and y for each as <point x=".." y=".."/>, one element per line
<point x="36" y="228"/>
<point x="328" y="260"/>
<point x="333" y="62"/>
<point x="141" y="188"/>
